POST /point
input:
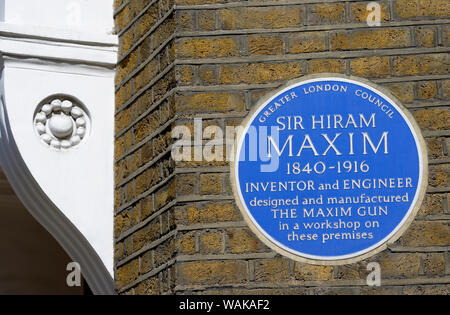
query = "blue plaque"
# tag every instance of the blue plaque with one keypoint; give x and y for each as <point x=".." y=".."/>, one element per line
<point x="329" y="169"/>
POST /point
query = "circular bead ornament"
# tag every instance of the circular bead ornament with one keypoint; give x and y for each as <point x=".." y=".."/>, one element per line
<point x="61" y="123"/>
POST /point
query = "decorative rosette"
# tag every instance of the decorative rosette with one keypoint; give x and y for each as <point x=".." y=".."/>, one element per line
<point x="61" y="124"/>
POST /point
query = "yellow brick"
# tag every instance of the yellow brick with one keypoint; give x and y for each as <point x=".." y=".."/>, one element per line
<point x="206" y="20"/>
<point x="210" y="102"/>
<point x="306" y="272"/>
<point x="422" y="64"/>
<point x="185" y="21"/>
<point x="264" y="17"/>
<point x="425" y="36"/>
<point x="212" y="272"/>
<point x="148" y="287"/>
<point x="265" y="45"/>
<point x="398" y="265"/>
<point x="210" y="242"/>
<point x="423" y="233"/>
<point x="211" y="184"/>
<point x="433" y="119"/>
<point x="275" y="270"/>
<point x="210" y="212"/>
<point x="371" y="66"/>
<point x="185" y="74"/>
<point x="370" y="39"/>
<point x="186" y="243"/>
<point x="208" y="74"/>
<point x="127" y="273"/>
<point x="434" y="264"/>
<point x="439" y="175"/>
<point x="259" y="72"/>
<point x="359" y="12"/>
<point x="208" y="47"/>
<point x="407" y="9"/>
<point x="326" y="65"/>
<point x="404" y="91"/>
<point x="242" y="241"/>
<point x="426" y="90"/>
<point x="307" y="42"/>
<point x="327" y="13"/>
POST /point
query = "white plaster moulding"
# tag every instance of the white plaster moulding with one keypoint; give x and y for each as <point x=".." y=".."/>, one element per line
<point x="47" y="214"/>
<point x="57" y="35"/>
<point x="69" y="47"/>
<point x="60" y="66"/>
<point x="58" y="51"/>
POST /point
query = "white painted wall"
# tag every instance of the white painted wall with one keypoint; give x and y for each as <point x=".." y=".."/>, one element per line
<point x="92" y="16"/>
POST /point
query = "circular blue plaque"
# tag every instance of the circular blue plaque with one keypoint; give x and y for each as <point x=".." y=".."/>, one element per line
<point x="329" y="169"/>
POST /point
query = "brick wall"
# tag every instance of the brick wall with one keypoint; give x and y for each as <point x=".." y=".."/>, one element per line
<point x="177" y="228"/>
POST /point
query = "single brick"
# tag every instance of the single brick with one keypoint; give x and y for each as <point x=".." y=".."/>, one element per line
<point x="443" y="289"/>
<point x="307" y="42"/>
<point x="208" y="75"/>
<point x="127" y="273"/>
<point x="404" y="91"/>
<point x="212" y="272"/>
<point x="164" y="252"/>
<point x="125" y="220"/>
<point x="148" y="287"/>
<point x="435" y="147"/>
<point x="359" y="12"/>
<point x="210" y="242"/>
<point x="399" y="265"/>
<point x="123" y="119"/>
<point x="185" y="184"/>
<point x="407" y="9"/>
<point x="307" y="272"/>
<point x="273" y="270"/>
<point x="439" y="175"/>
<point x="146" y="180"/>
<point x="380" y="290"/>
<point x="421" y="64"/>
<point x="433" y="264"/>
<point x="210" y="212"/>
<point x="210" y="102"/>
<point x="146" y="126"/>
<point x="164" y="195"/>
<point x="211" y="184"/>
<point x="272" y="17"/>
<point x="242" y="241"/>
<point x="255" y="73"/>
<point x="370" y="39"/>
<point x="371" y="66"/>
<point x="426" y="90"/>
<point x="186" y="243"/>
<point x="151" y="232"/>
<point x="433" y="119"/>
<point x="146" y="207"/>
<point x="185" y="74"/>
<point x="326" y="65"/>
<point x="425" y="36"/>
<point x="185" y="21"/>
<point x="446" y="35"/>
<point x="265" y="45"/>
<point x="424" y="233"/>
<point x="355" y="271"/>
<point x="207" y="20"/>
<point x="208" y="47"/>
<point x="326" y="13"/>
